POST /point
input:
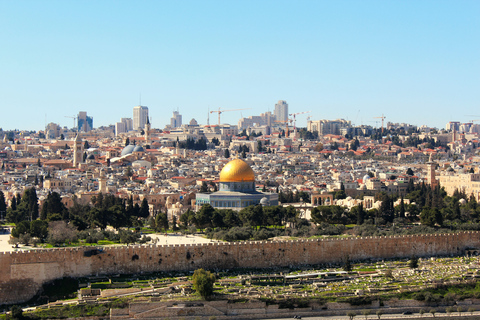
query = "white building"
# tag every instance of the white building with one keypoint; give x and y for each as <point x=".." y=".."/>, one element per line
<point x="128" y="123"/>
<point x="120" y="128"/>
<point x="140" y="115"/>
<point x="176" y="120"/>
<point x="281" y="111"/>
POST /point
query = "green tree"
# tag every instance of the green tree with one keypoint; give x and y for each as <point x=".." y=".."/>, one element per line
<point x="431" y="216"/>
<point x="204" y="216"/>
<point x="174" y="223"/>
<point x="351" y="315"/>
<point x="252" y="215"/>
<point x="3" y="205"/>
<point x="39" y="229"/>
<point x="187" y="219"/>
<point x="22" y="227"/>
<point x="204" y="187"/>
<point x="227" y="154"/>
<point x="144" y="210"/>
<point x="413" y="262"/>
<point x="203" y="282"/>
<point x="53" y="208"/>
<point x="161" y="222"/>
<point x="366" y="313"/>
<point x="16" y="313"/>
<point x="347" y="264"/>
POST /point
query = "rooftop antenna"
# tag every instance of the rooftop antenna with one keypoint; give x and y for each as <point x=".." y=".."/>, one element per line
<point x="208" y="117"/>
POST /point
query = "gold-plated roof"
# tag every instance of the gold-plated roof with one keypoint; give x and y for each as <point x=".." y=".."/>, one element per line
<point x="237" y="171"/>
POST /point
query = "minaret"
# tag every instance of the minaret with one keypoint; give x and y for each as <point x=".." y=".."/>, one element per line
<point x="147" y="132"/>
<point x="77" y="151"/>
<point x="102" y="182"/>
<point x="431" y="180"/>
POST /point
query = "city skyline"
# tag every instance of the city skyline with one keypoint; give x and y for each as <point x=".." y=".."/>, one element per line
<point x="414" y="62"/>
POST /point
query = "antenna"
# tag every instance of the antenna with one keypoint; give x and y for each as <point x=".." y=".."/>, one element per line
<point x="208" y="117"/>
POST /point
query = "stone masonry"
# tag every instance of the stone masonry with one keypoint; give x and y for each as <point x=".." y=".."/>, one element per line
<point x="24" y="272"/>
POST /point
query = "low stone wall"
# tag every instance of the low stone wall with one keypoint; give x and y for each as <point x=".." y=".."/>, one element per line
<point x="222" y="310"/>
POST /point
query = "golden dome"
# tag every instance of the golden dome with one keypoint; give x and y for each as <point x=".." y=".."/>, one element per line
<point x="237" y="171"/>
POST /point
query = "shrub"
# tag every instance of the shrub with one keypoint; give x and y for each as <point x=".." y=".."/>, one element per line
<point x="203" y="282"/>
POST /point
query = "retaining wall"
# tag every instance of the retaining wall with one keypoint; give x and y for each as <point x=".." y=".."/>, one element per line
<point x="24" y="272"/>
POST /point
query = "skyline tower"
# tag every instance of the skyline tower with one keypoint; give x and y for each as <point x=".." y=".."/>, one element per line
<point x="84" y="122"/>
<point x="176" y="120"/>
<point x="140" y="116"/>
<point x="281" y="110"/>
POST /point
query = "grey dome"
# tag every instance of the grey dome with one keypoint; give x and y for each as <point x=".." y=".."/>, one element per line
<point x="127" y="150"/>
<point x="138" y="149"/>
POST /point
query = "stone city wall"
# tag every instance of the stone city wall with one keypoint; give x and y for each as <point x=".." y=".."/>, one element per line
<point x="24" y="272"/>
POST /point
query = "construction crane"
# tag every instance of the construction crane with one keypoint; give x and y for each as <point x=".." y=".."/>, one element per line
<point x="294" y="115"/>
<point x="74" y="119"/>
<point x="222" y="111"/>
<point x="383" y="118"/>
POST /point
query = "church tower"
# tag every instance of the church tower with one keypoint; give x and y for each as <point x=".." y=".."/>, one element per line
<point x="77" y="151"/>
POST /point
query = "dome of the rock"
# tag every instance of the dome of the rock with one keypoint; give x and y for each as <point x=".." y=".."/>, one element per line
<point x="237" y="171"/>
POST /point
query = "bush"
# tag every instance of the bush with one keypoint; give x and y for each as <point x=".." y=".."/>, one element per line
<point x="326" y="229"/>
<point x="262" y="234"/>
<point x="238" y="233"/>
<point x="91" y="235"/>
<point x="203" y="282"/>
<point x="127" y="236"/>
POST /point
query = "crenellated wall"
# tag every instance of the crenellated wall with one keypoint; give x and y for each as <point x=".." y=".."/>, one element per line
<point x="23" y="272"/>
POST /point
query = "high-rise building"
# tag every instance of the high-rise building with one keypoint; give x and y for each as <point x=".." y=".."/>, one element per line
<point x="128" y="123"/>
<point x="452" y="126"/>
<point x="281" y="111"/>
<point x="324" y="127"/>
<point x="120" y="128"/>
<point x="84" y="122"/>
<point x="140" y="115"/>
<point x="176" y="120"/>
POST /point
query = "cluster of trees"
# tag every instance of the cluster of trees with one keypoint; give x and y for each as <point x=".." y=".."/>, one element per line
<point x="432" y="207"/>
<point x="107" y="210"/>
<point x="252" y="216"/>
<point x="307" y="135"/>
<point x="190" y="143"/>
<point x="291" y="197"/>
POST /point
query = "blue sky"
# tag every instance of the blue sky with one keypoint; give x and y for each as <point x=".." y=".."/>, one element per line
<point x="413" y="61"/>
